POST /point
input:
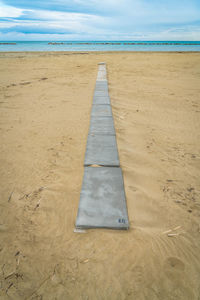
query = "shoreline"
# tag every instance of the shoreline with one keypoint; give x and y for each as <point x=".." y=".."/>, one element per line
<point x="99" y="52"/>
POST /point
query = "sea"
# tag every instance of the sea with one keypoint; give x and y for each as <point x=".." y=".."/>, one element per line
<point x="153" y="46"/>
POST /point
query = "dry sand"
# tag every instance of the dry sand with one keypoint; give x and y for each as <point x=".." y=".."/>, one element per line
<point x="45" y="102"/>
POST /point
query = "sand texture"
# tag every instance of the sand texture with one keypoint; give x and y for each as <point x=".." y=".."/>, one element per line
<point x="45" y="104"/>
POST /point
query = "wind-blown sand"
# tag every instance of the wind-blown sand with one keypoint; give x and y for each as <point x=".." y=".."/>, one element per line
<point x="45" y="102"/>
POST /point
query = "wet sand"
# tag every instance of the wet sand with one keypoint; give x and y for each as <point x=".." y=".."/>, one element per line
<point x="45" y="103"/>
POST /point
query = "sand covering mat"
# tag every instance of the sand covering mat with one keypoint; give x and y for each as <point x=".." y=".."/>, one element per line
<point x="102" y="200"/>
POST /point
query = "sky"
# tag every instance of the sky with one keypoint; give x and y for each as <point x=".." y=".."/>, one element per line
<point x="71" y="20"/>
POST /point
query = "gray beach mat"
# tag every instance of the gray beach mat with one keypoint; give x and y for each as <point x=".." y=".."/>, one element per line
<point x="102" y="125"/>
<point x="102" y="74"/>
<point x="101" y="93"/>
<point x="100" y="82"/>
<point x="101" y="100"/>
<point x="101" y="150"/>
<point x="101" y="85"/>
<point x="102" y="200"/>
<point x="101" y="111"/>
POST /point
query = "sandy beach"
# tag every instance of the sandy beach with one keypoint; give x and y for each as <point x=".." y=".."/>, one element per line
<point x="45" y="103"/>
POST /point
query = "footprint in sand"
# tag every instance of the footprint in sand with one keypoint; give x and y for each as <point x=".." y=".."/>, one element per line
<point x="174" y="263"/>
<point x="132" y="188"/>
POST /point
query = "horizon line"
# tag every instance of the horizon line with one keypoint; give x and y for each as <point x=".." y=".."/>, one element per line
<point x="113" y="41"/>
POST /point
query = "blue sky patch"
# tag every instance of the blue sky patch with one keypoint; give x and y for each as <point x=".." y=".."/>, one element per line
<point x="100" y="20"/>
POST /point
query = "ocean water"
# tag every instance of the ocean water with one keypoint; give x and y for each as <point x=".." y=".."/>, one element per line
<point x="101" y="46"/>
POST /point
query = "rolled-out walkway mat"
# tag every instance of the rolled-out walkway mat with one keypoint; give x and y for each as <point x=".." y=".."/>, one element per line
<point x="101" y="150"/>
<point x="101" y="85"/>
<point x="101" y="93"/>
<point x="101" y="100"/>
<point x="103" y="110"/>
<point x="102" y="125"/>
<point x="102" y="200"/>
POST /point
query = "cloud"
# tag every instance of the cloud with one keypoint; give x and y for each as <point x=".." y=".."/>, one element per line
<point x="7" y="11"/>
<point x="41" y="21"/>
<point x="152" y="9"/>
<point x="105" y="19"/>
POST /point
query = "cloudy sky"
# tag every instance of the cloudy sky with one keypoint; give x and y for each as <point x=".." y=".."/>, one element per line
<point x="99" y="20"/>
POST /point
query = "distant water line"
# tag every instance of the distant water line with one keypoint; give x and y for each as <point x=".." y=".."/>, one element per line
<point x="125" y="43"/>
<point x="15" y="46"/>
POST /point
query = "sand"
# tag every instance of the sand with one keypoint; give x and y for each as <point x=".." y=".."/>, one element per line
<point x="45" y="103"/>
